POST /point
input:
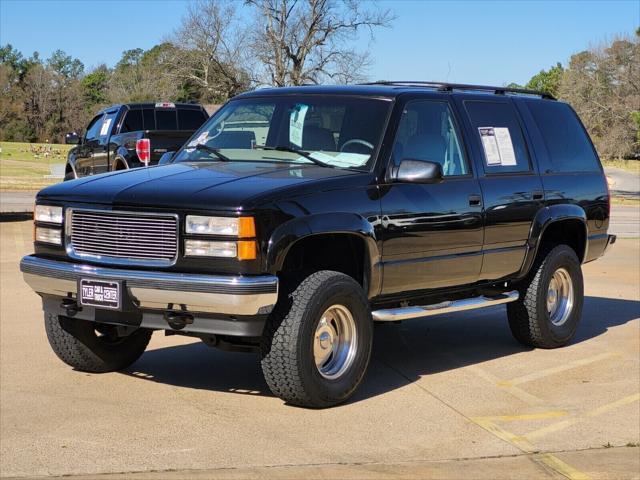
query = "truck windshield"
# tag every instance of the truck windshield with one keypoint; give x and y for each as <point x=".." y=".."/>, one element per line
<point x="330" y="131"/>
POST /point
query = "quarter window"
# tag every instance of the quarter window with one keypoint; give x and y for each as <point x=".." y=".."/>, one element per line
<point x="427" y="132"/>
<point x="567" y="143"/>
<point x="498" y="131"/>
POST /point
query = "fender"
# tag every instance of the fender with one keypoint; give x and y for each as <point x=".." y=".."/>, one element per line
<point x="545" y="217"/>
<point x="121" y="155"/>
<point x="288" y="234"/>
<point x="71" y="162"/>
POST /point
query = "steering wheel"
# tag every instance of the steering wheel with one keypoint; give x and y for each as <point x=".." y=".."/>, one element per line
<point x="357" y="141"/>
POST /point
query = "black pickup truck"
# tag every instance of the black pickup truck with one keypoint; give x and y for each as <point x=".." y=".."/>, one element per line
<point x="295" y="218"/>
<point x="121" y="137"/>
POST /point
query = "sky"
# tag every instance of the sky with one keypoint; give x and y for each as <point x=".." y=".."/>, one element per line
<point x="473" y="41"/>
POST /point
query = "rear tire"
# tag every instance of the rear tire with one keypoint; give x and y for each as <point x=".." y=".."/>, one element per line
<point x="550" y="305"/>
<point x="77" y="344"/>
<point x="317" y="343"/>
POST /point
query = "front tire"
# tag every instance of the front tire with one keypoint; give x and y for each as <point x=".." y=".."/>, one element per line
<point x="317" y="343"/>
<point x="78" y="344"/>
<point x="550" y="305"/>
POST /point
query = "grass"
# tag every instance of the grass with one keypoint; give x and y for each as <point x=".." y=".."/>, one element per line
<point x="628" y="165"/>
<point x="23" y="166"/>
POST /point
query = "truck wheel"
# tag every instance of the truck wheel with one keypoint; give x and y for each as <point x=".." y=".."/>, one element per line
<point x="550" y="305"/>
<point x="78" y="344"/>
<point x="317" y="343"/>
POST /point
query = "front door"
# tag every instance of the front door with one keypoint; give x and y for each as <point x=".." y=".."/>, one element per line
<point x="432" y="234"/>
<point x="92" y="156"/>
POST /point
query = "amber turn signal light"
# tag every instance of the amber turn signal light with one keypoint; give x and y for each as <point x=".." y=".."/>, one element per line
<point x="247" y="250"/>
<point x="246" y="227"/>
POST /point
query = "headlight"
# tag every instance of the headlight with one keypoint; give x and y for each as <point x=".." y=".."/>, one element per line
<point x="205" y="248"/>
<point x="49" y="235"/>
<point x="243" y="227"/>
<point x="47" y="213"/>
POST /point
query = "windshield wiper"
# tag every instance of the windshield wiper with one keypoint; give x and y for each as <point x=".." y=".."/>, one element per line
<point x="215" y="151"/>
<point x="282" y="148"/>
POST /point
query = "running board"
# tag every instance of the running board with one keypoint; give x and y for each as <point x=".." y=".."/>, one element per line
<point x="405" y="313"/>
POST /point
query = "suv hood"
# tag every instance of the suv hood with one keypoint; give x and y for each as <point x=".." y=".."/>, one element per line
<point x="198" y="185"/>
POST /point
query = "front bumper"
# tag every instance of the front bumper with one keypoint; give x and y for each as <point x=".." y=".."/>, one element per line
<point x="156" y="290"/>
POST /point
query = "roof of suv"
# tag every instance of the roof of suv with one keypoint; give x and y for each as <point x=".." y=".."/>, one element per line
<point x="393" y="89"/>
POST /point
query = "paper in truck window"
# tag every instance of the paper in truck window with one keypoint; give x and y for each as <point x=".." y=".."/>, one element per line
<point x="505" y="147"/>
<point x="104" y="130"/>
<point x="498" y="147"/>
<point x="296" y="123"/>
<point x="490" y="145"/>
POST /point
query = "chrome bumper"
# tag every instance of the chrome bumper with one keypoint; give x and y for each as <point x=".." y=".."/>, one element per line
<point x="156" y="290"/>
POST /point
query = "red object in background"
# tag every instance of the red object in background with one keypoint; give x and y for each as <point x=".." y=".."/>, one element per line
<point x="143" y="150"/>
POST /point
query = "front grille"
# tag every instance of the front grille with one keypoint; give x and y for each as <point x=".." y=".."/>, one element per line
<point x="123" y="237"/>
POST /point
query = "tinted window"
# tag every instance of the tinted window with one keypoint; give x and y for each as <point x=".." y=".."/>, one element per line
<point x="166" y="120"/>
<point x="498" y="130"/>
<point x="567" y="143"/>
<point x="148" y="114"/>
<point x="190" y="119"/>
<point x="132" y="121"/>
<point x="93" y="130"/>
<point x="427" y="132"/>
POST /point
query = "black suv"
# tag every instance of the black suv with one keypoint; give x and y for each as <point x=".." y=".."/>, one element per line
<point x="295" y="218"/>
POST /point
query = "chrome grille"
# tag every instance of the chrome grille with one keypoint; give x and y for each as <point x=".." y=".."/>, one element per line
<point x="123" y="237"/>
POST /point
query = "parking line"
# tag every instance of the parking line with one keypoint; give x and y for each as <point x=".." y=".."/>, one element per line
<point x="528" y="416"/>
<point x="526" y="446"/>
<point x="541" y="432"/>
<point x="526" y="397"/>
<point x="561" y="368"/>
<point x="561" y="467"/>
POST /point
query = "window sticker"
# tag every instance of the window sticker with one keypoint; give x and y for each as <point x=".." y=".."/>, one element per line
<point x="490" y="145"/>
<point x="498" y="147"/>
<point x="105" y="127"/>
<point x="296" y="123"/>
<point x="505" y="147"/>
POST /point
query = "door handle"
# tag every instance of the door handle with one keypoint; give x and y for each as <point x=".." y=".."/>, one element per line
<point x="537" y="194"/>
<point x="475" y="200"/>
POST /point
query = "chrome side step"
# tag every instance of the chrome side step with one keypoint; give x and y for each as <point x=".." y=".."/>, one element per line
<point x="405" y="313"/>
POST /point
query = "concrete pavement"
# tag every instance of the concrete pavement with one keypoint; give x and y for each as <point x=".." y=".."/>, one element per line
<point x="623" y="183"/>
<point x="445" y="397"/>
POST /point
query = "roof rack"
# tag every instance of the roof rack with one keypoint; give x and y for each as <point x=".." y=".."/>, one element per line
<point x="449" y="87"/>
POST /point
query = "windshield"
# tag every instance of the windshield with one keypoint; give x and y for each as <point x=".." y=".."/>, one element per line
<point x="330" y="131"/>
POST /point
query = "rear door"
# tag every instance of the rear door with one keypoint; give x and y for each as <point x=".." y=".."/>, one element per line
<point x="511" y="187"/>
<point x="432" y="234"/>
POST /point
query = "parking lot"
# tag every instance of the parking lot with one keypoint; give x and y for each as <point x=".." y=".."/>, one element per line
<point x="446" y="397"/>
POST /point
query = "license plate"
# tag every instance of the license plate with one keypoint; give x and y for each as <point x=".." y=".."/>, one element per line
<point x="100" y="293"/>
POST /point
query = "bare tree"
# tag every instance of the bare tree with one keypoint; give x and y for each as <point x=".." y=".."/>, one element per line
<point x="211" y="50"/>
<point x="310" y="41"/>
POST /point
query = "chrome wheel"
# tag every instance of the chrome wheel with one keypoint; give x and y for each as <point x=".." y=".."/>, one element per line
<point x="335" y="342"/>
<point x="560" y="297"/>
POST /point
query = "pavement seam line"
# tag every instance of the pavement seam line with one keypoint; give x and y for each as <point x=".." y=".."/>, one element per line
<point x="517" y="441"/>
<point x="541" y="432"/>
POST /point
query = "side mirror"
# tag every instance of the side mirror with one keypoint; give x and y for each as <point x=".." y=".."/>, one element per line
<point x="166" y="157"/>
<point x="417" y="171"/>
<point x="72" y="138"/>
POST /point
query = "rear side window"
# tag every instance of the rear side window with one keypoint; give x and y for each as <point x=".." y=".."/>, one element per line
<point x="567" y="143"/>
<point x="498" y="129"/>
<point x="166" y="120"/>
<point x="148" y="114"/>
<point x="190" y="119"/>
<point x="132" y="121"/>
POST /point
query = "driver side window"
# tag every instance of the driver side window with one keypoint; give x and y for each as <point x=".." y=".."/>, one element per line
<point x="93" y="130"/>
<point x="427" y="132"/>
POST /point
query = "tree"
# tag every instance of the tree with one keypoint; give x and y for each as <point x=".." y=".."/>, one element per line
<point x="211" y="58"/>
<point x="603" y="85"/>
<point x="310" y="41"/>
<point x="95" y="87"/>
<point x="142" y="75"/>
<point x="547" y="81"/>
